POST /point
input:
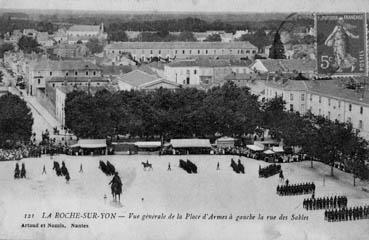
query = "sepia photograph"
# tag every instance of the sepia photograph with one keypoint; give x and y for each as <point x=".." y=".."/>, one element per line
<point x="184" y="119"/>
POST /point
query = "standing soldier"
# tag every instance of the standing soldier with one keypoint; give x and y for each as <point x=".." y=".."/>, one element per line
<point x="218" y="168"/>
<point x="23" y="171"/>
<point x="44" y="170"/>
<point x="169" y="168"/>
<point x="81" y="168"/>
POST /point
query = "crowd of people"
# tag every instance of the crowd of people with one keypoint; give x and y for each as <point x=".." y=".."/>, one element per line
<point x="269" y="170"/>
<point x="325" y="203"/>
<point x="296" y="189"/>
<point x="347" y="214"/>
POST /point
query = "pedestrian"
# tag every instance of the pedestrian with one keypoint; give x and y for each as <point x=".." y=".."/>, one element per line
<point x="169" y="168"/>
<point x="81" y="169"/>
<point x="44" y="170"/>
<point x="218" y="168"/>
<point x="287" y="182"/>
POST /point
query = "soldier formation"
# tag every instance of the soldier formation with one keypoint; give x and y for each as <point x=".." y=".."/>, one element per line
<point x="296" y="189"/>
<point x="269" y="170"/>
<point x="325" y="203"/>
<point x="347" y="214"/>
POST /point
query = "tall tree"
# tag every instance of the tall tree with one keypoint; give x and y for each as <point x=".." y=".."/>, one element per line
<point x="213" y="38"/>
<point x="94" y="45"/>
<point x="15" y="121"/>
<point x="5" y="47"/>
<point x="28" y="44"/>
<point x="277" y="49"/>
<point x="187" y="37"/>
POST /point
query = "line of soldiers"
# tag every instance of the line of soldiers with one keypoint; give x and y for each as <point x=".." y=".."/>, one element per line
<point x="269" y="170"/>
<point x="347" y="214"/>
<point x="296" y="189"/>
<point x="325" y="203"/>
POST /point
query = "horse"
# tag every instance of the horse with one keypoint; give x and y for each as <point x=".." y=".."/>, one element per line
<point x="147" y="165"/>
<point x="234" y="166"/>
<point x="192" y="166"/>
<point x="56" y="167"/>
<point x="184" y="165"/>
<point x="110" y="168"/>
<point x="240" y="167"/>
<point x="116" y="190"/>
<point x="103" y="167"/>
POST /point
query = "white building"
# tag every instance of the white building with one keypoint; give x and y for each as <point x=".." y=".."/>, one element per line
<point x="202" y="71"/>
<point x="85" y="32"/>
<point x="328" y="98"/>
<point x="183" y="50"/>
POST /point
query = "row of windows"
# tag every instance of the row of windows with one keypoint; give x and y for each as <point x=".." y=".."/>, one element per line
<point x="360" y="124"/>
<point x="207" y="51"/>
<point x="339" y="104"/>
<point x="76" y="73"/>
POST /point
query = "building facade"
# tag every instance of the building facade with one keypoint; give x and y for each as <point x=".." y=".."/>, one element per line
<point x="147" y="50"/>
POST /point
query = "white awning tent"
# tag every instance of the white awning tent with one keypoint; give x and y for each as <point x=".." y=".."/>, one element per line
<point x="254" y="148"/>
<point x="269" y="152"/>
<point x="278" y="149"/>
<point x="90" y="143"/>
<point x="155" y="144"/>
<point x="225" y="142"/>
<point x="190" y="143"/>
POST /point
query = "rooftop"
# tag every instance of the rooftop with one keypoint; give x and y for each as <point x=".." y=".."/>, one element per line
<point x="64" y="65"/>
<point x="84" y="28"/>
<point x="289" y="65"/>
<point x="137" y="78"/>
<point x="93" y="89"/>
<point x="180" y="45"/>
<point x="241" y="76"/>
<point x="78" y="79"/>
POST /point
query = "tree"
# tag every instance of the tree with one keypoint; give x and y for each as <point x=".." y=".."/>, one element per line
<point x="94" y="45"/>
<point x="5" y="47"/>
<point x="15" y="121"/>
<point x="277" y="49"/>
<point x="119" y="35"/>
<point x="187" y="37"/>
<point x="213" y="38"/>
<point x="28" y="45"/>
<point x="259" y="38"/>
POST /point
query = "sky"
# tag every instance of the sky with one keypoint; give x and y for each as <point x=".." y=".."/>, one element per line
<point x="194" y="5"/>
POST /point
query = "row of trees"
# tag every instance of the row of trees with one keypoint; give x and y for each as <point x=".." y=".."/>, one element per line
<point x="15" y="121"/>
<point x="187" y="112"/>
<point x="227" y="110"/>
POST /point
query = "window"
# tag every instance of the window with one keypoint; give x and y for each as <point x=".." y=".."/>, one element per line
<point x="247" y="51"/>
<point x="291" y="97"/>
<point x="38" y="81"/>
<point x="311" y="97"/>
<point x="194" y="71"/>
<point x="51" y="73"/>
<point x="187" y="80"/>
<point x="53" y="85"/>
<point x="360" y="124"/>
<point x="291" y="107"/>
<point x="183" y="51"/>
<point x="320" y="99"/>
<point x="350" y="107"/>
<point x="76" y="73"/>
<point x="190" y="51"/>
<point x="206" y="51"/>
<point x="361" y="110"/>
<point x="253" y="51"/>
<point x="302" y="97"/>
<point x="198" y="51"/>
<point x="94" y="73"/>
<point x="150" y="51"/>
<point x="159" y="51"/>
<point x="66" y="74"/>
<point x="86" y="73"/>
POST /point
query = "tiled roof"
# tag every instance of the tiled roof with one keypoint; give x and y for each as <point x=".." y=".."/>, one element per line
<point x="78" y="79"/>
<point x="289" y="65"/>
<point x="84" y="28"/>
<point x="93" y="89"/>
<point x="180" y="45"/>
<point x="288" y="85"/>
<point x="64" y="65"/>
<point x="336" y="88"/>
<point x="137" y="78"/>
<point x="240" y="76"/>
<point x="200" y="63"/>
